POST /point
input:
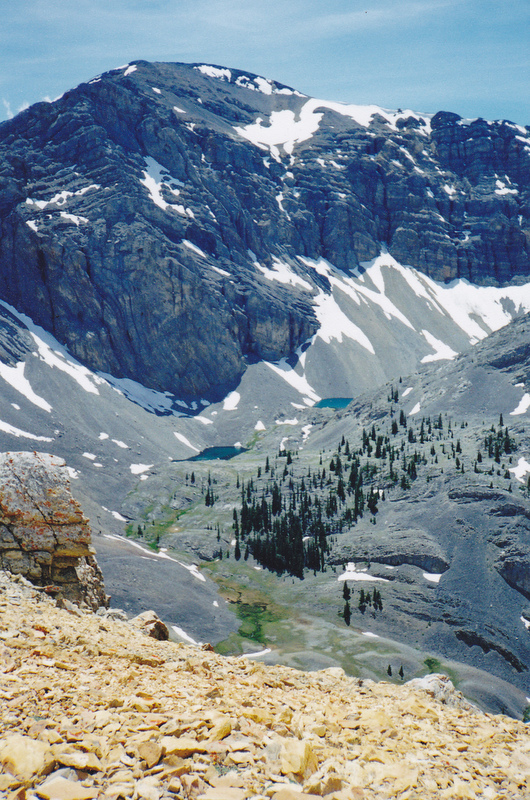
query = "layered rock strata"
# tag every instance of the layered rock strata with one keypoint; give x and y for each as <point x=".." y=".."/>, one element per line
<point x="167" y="208"/>
<point x="43" y="533"/>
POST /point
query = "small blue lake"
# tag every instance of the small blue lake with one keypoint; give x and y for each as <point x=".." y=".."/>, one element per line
<point x="214" y="453"/>
<point x="333" y="402"/>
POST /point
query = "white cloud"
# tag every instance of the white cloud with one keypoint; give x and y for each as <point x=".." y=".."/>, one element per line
<point x="7" y="106"/>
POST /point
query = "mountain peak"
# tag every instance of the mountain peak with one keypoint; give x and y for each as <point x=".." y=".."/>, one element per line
<point x="172" y="177"/>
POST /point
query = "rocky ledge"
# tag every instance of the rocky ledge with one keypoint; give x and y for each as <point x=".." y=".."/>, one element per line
<point x="43" y="533"/>
<point x="91" y="707"/>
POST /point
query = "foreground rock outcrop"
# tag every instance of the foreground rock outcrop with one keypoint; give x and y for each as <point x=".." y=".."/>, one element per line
<point x="91" y="707"/>
<point x="43" y="533"/>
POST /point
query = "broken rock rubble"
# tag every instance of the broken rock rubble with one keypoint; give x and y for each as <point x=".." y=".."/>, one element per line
<point x="91" y="707"/>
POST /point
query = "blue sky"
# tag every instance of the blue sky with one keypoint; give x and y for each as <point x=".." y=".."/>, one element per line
<point x="468" y="56"/>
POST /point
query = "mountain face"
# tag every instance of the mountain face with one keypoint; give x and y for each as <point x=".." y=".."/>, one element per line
<point x="211" y="254"/>
<point x="220" y="220"/>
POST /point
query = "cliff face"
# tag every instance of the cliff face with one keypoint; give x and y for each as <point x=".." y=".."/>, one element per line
<point x="142" y="213"/>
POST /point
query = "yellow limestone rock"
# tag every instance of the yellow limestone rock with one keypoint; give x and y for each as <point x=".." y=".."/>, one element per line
<point x="182" y="746"/>
<point x="147" y="789"/>
<point x="151" y="752"/>
<point x="78" y="759"/>
<point x="376" y="720"/>
<point x="288" y="793"/>
<point x="25" y="757"/>
<point x="295" y="735"/>
<point x="221" y="730"/>
<point x="296" y="757"/>
<point x="193" y="785"/>
<point x="224" y="793"/>
<point x="59" y="788"/>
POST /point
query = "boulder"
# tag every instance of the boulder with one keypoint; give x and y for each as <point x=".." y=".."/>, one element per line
<point x="441" y="688"/>
<point x="43" y="533"/>
<point x="151" y="625"/>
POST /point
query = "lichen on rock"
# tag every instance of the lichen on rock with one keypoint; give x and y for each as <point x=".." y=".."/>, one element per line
<point x="43" y="533"/>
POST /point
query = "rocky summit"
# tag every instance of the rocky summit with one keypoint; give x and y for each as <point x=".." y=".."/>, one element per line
<point x="92" y="708"/>
<point x="185" y="210"/>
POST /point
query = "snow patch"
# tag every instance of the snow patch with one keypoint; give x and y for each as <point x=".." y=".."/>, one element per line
<point x="231" y="401"/>
<point x="182" y="438"/>
<point x="221" y="271"/>
<point x="214" y="72"/>
<point x="55" y="355"/>
<point x="462" y="301"/>
<point x="283" y="273"/>
<point x="441" y="350"/>
<point x="287" y="129"/>
<point x="502" y="189"/>
<point x="137" y="469"/>
<point x="255" y="655"/>
<point x="334" y="324"/>
<point x="149" y="399"/>
<point x="194" y="247"/>
<point x="521" y="470"/>
<point x="351" y="574"/>
<point x="433" y="577"/>
<point x="73" y="218"/>
<point x="298" y="382"/>
<point x="522" y="408"/>
<point x="60" y="198"/>
<point x="7" y="428"/>
<point x="306" y="430"/>
<point x="16" y="378"/>
<point x="356" y="289"/>
<point x="415" y="410"/>
<point x="259" y="426"/>
<point x="183" y="635"/>
<point x="264" y="85"/>
<point x="157" y="178"/>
